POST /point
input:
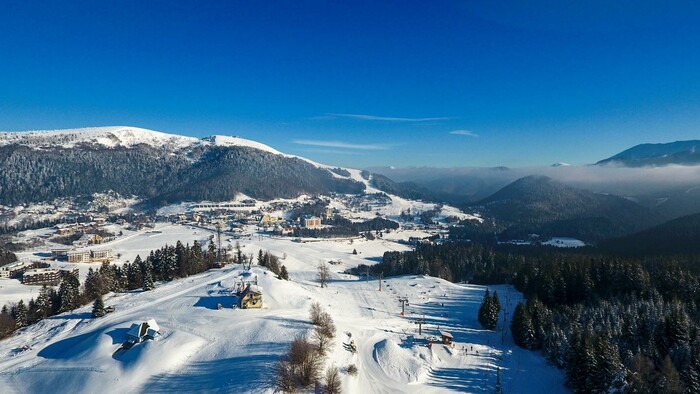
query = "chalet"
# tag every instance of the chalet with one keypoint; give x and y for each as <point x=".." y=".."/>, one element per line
<point x="309" y="221"/>
<point x="139" y="332"/>
<point x="446" y="337"/>
<point x="267" y="220"/>
<point x="251" y="297"/>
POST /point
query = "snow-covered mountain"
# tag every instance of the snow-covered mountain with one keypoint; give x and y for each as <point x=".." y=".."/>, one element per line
<point x="44" y="165"/>
<point x="120" y="136"/>
<point x="679" y="152"/>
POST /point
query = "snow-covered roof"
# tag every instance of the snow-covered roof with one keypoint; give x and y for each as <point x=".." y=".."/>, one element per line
<point x="147" y="328"/>
<point x="252" y="289"/>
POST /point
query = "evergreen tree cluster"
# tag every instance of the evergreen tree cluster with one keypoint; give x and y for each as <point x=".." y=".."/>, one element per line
<point x="164" y="264"/>
<point x="489" y="310"/>
<point x="200" y="173"/>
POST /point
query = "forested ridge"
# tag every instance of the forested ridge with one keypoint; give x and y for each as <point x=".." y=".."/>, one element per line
<point x="202" y="173"/>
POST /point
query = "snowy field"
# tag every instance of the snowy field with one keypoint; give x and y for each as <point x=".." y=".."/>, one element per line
<point x="565" y="242"/>
<point x="204" y="349"/>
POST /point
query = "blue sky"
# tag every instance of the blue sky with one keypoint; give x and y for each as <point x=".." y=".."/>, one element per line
<point x="364" y="83"/>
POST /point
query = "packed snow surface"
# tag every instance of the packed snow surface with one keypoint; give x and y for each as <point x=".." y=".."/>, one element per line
<point x="206" y="349"/>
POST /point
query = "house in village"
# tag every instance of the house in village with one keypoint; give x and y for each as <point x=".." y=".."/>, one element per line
<point x="309" y="221"/>
<point x="139" y="332"/>
<point x="251" y="297"/>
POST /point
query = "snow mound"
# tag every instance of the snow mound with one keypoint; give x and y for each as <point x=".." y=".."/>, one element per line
<point x="89" y="360"/>
<point x="397" y="363"/>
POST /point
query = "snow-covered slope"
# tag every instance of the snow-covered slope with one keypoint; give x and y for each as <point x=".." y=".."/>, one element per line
<point x="204" y="349"/>
<point x="105" y="136"/>
<point x="124" y="136"/>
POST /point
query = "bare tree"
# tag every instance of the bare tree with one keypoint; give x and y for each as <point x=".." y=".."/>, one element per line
<point x="332" y="385"/>
<point x="324" y="274"/>
<point x="326" y="325"/>
<point x="315" y="313"/>
<point x="323" y="342"/>
<point x="284" y="381"/>
<point x="304" y="360"/>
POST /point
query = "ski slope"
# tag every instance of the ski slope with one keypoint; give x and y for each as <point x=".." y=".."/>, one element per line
<point x="204" y="349"/>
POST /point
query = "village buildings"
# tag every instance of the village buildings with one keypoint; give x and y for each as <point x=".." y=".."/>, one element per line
<point x="13" y="270"/>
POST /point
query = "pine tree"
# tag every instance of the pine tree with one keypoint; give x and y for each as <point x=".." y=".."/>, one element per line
<point x="609" y="367"/>
<point x="283" y="273"/>
<point x="69" y="293"/>
<point x="7" y="322"/>
<point x="44" y="303"/>
<point x="522" y="328"/>
<point x="261" y="258"/>
<point x="20" y="314"/>
<point x="148" y="281"/>
<point x="147" y="271"/>
<point x="108" y="276"/>
<point x="487" y="318"/>
<point x="93" y="284"/>
<point x="494" y="310"/>
<point x="98" y="307"/>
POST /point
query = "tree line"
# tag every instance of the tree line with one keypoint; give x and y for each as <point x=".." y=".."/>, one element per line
<point x="164" y="264"/>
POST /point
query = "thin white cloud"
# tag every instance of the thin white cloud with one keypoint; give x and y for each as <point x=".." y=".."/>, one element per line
<point x="342" y="145"/>
<point x="334" y="152"/>
<point x="385" y="118"/>
<point x="465" y="133"/>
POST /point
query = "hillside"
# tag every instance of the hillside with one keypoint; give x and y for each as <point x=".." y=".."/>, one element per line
<point x="159" y="167"/>
<point x="679" y="152"/>
<point x="206" y="349"/>
<point x="540" y="205"/>
<point x="676" y="237"/>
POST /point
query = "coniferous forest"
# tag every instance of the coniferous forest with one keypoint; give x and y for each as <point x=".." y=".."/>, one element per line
<point x="612" y="324"/>
<point x="164" y="264"/>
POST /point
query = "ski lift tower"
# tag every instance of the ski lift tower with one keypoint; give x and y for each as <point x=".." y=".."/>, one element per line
<point x="404" y="302"/>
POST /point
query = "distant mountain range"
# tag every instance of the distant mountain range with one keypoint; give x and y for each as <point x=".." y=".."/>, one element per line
<point x="161" y="168"/>
<point x="541" y="205"/>
<point x="678" y="236"/>
<point x="679" y="152"/>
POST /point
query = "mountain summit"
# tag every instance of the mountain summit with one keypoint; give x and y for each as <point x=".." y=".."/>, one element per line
<point x="541" y="205"/>
<point x="159" y="167"/>
<point x="679" y="152"/>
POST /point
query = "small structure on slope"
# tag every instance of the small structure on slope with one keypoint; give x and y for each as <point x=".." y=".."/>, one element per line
<point x="250" y="297"/>
<point x="446" y="337"/>
<point x="139" y="332"/>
